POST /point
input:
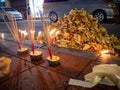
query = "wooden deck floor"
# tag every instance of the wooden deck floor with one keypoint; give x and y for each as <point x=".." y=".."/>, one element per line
<point x="31" y="75"/>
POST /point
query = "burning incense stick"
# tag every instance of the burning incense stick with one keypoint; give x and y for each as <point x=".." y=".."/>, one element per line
<point x="31" y="30"/>
<point x="12" y="27"/>
<point x="45" y="27"/>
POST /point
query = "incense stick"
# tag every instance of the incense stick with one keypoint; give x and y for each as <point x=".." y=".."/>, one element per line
<point x="31" y="30"/>
<point x="45" y="28"/>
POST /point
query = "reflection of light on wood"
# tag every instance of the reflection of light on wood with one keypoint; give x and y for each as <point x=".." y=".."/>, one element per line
<point x="2" y="35"/>
<point x="105" y="57"/>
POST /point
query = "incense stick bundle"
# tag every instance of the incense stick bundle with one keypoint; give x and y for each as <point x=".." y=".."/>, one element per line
<point x="13" y="28"/>
<point x="31" y="30"/>
<point x="45" y="29"/>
